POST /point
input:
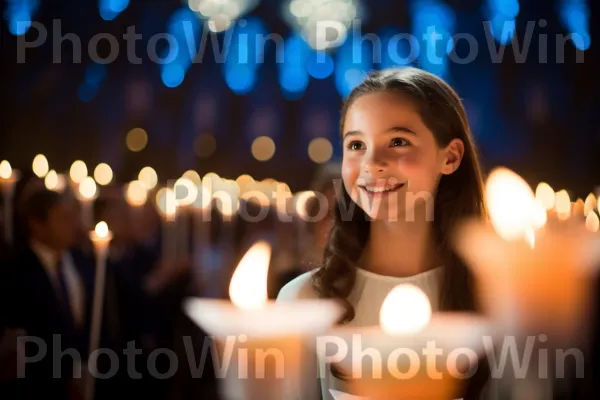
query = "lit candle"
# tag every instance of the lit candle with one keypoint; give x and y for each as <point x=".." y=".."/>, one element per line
<point x="166" y="204"/>
<point x="8" y="178"/>
<point x="518" y="284"/>
<point x="578" y="209"/>
<point x="87" y="193"/>
<point x="100" y="237"/>
<point x="590" y="204"/>
<point x="402" y="367"/>
<point x="136" y="196"/>
<point x="186" y="193"/>
<point x="563" y="205"/>
<point x="251" y="326"/>
<point x="592" y="223"/>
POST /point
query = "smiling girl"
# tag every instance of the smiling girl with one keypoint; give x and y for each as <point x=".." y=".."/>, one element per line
<point x="410" y="172"/>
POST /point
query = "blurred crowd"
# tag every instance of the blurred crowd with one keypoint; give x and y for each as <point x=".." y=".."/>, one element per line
<point x="47" y="278"/>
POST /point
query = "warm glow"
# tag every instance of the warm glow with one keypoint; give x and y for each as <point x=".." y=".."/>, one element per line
<point x="320" y="150"/>
<point x="148" y="177"/>
<point x="578" y="208"/>
<point x="192" y="176"/>
<point x="263" y="148"/>
<point x="592" y="223"/>
<point x="136" y="194"/>
<point x="510" y="202"/>
<point x="185" y="191"/>
<point x="545" y="194"/>
<point x="563" y="204"/>
<point x="5" y="170"/>
<point x="40" y="165"/>
<point x="248" y="287"/>
<point x="244" y="181"/>
<point x="203" y="199"/>
<point x="166" y="202"/>
<point x="405" y="310"/>
<point x="78" y="171"/>
<point x="87" y="188"/>
<point x="302" y="199"/>
<point x="103" y="174"/>
<point x="136" y="139"/>
<point x="205" y="145"/>
<point x="101" y="229"/>
<point x="51" y="180"/>
<point x="539" y="216"/>
<point x="226" y="203"/>
<point x="590" y="204"/>
<point x="530" y="237"/>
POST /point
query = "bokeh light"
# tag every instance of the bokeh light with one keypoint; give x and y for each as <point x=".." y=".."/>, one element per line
<point x="320" y="150"/>
<point x="263" y="148"/>
<point x="136" y="139"/>
<point x="103" y="174"/>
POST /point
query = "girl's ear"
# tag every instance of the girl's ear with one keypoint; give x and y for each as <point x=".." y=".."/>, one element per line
<point x="453" y="155"/>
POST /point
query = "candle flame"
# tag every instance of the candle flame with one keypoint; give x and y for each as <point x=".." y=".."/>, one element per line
<point x="405" y="310"/>
<point x="101" y="229"/>
<point x="248" y="287"/>
<point x="563" y="205"/>
<point x="78" y="171"/>
<point x="51" y="180"/>
<point x="103" y="174"/>
<point x="545" y="194"/>
<point x="87" y="188"/>
<point x="136" y="194"/>
<point x="590" y="204"/>
<point x="39" y="166"/>
<point x="302" y="199"/>
<point x="510" y="201"/>
<point x="166" y="202"/>
<point x="5" y="170"/>
<point x="148" y="177"/>
<point x="592" y="222"/>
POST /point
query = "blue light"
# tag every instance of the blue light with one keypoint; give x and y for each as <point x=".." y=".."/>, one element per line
<point x="240" y="78"/>
<point x="575" y="16"/>
<point x="172" y="75"/>
<point x="110" y="9"/>
<point x="244" y="54"/>
<point x="19" y="14"/>
<point x="293" y="72"/>
<point x="350" y="70"/>
<point x="185" y="28"/>
<point x="506" y="8"/>
<point x="319" y="65"/>
<point x="87" y="91"/>
<point x="95" y="73"/>
<point x="502" y="29"/>
<point x="434" y="23"/>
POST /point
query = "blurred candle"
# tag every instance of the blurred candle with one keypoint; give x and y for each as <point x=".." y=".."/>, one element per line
<point x="186" y="193"/>
<point x="100" y="237"/>
<point x="166" y="203"/>
<point x="87" y="193"/>
<point x="592" y="223"/>
<point x="406" y="322"/>
<point x="563" y="205"/>
<point x="39" y="166"/>
<point x="590" y="204"/>
<point x="249" y="325"/>
<point x="136" y="196"/>
<point x="54" y="181"/>
<point x="8" y="178"/>
<point x="578" y="208"/>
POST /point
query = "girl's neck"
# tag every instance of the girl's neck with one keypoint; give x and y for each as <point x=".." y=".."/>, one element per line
<point x="400" y="248"/>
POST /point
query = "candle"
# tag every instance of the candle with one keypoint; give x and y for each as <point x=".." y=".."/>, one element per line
<point x="166" y="204"/>
<point x="8" y="178"/>
<point x="251" y="326"/>
<point x="563" y="205"/>
<point x="39" y="166"/>
<point x="399" y="365"/>
<point x="592" y="223"/>
<point x="186" y="193"/>
<point x="590" y="204"/>
<point x="86" y="194"/>
<point x="100" y="237"/>
<point x="201" y="221"/>
<point x="578" y="208"/>
<point x="519" y="284"/>
<point x="136" y="196"/>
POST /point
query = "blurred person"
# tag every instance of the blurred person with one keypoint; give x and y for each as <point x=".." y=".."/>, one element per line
<point x="47" y="294"/>
<point x="404" y="131"/>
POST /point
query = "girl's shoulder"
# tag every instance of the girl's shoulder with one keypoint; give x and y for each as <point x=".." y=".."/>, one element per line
<point x="299" y="288"/>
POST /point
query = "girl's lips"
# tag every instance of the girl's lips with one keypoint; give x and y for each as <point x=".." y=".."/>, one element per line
<point x="392" y="189"/>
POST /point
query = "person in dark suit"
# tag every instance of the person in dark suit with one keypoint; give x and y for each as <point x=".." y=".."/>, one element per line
<point x="48" y="298"/>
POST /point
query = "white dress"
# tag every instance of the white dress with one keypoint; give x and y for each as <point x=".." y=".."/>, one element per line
<point x="367" y="297"/>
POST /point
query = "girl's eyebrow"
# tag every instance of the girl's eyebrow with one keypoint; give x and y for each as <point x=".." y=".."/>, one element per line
<point x="393" y="129"/>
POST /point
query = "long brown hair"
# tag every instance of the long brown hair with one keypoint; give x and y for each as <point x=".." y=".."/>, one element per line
<point x="458" y="196"/>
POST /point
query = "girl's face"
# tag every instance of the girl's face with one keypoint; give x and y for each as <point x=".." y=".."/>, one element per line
<point x="392" y="163"/>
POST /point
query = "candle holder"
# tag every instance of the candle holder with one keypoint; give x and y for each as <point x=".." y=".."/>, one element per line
<point x="262" y="340"/>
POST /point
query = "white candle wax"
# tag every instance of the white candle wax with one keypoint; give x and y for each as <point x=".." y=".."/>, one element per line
<point x="8" y="179"/>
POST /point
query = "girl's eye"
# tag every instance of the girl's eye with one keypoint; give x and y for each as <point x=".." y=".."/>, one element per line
<point x="355" y="145"/>
<point x="399" y="142"/>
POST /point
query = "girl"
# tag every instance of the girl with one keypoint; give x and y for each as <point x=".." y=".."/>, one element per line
<point x="407" y="146"/>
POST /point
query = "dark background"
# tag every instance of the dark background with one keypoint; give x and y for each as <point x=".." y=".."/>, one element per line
<point x="541" y="119"/>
